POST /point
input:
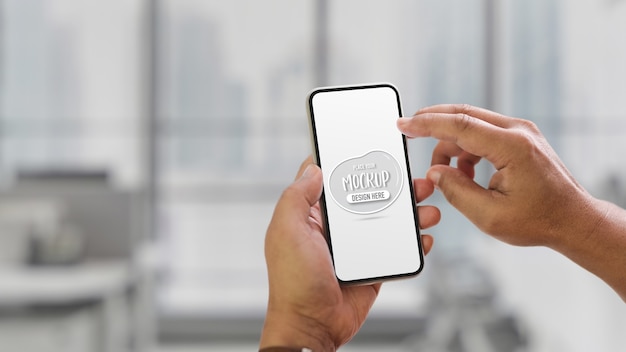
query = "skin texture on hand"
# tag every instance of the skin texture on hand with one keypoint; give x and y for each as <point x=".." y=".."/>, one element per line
<point x="532" y="199"/>
<point x="307" y="307"/>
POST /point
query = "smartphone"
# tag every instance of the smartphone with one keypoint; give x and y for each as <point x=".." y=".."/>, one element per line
<point x="368" y="205"/>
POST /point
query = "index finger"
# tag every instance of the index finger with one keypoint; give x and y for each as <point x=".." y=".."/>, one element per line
<point x="488" y="116"/>
<point x="472" y="134"/>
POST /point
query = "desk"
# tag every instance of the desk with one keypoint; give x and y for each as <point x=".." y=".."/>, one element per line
<point x="102" y="285"/>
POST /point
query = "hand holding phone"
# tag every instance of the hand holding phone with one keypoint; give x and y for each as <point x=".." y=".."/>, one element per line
<point x="368" y="203"/>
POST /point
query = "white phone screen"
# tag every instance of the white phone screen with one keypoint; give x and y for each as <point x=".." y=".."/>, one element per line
<point x="368" y="199"/>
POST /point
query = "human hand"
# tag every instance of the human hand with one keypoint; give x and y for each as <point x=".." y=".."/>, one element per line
<point x="307" y="307"/>
<point x="532" y="199"/>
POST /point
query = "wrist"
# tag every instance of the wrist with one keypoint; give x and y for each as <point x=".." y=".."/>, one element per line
<point x="284" y="349"/>
<point x="577" y="225"/>
<point x="601" y="244"/>
<point x="294" y="332"/>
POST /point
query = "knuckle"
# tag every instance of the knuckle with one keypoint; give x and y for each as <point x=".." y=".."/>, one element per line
<point x="463" y="122"/>
<point x="525" y="140"/>
<point x="464" y="109"/>
<point x="529" y="126"/>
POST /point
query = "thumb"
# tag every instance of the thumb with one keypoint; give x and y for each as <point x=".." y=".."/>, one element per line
<point x="461" y="191"/>
<point x="302" y="194"/>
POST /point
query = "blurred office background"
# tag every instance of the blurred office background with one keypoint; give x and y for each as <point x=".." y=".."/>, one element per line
<point x="144" y="143"/>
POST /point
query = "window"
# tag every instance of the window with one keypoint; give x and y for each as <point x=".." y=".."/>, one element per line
<point x="231" y="135"/>
<point x="71" y="88"/>
<point x="206" y="110"/>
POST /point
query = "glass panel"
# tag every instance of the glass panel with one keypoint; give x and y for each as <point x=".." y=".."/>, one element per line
<point x="233" y="131"/>
<point x="71" y="87"/>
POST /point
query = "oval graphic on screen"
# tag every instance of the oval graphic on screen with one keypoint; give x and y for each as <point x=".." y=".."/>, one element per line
<point x="366" y="184"/>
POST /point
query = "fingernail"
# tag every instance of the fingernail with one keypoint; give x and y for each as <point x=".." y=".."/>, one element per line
<point x="307" y="172"/>
<point x="434" y="177"/>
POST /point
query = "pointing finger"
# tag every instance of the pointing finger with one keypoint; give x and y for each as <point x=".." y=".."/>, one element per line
<point x="471" y="134"/>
